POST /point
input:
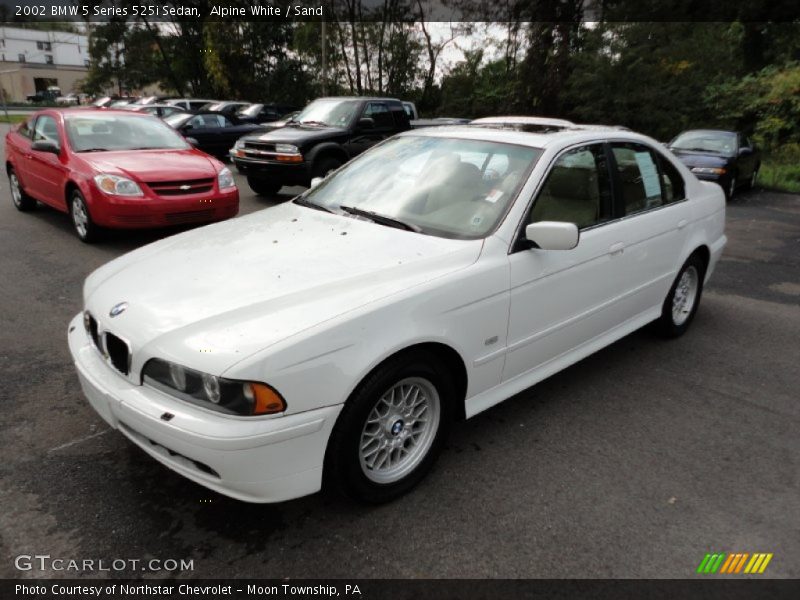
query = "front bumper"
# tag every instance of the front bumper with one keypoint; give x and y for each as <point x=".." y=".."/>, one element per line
<point x="155" y="211"/>
<point x="251" y="459"/>
<point x="284" y="173"/>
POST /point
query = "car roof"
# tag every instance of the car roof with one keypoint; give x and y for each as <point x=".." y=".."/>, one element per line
<point x="707" y="131"/>
<point x="523" y="120"/>
<point x="566" y="136"/>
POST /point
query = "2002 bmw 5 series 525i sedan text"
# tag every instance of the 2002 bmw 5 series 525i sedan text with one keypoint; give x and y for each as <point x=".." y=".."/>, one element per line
<point x="332" y="340"/>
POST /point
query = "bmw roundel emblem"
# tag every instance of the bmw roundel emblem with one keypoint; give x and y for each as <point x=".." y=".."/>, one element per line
<point x="118" y="309"/>
<point x="397" y="427"/>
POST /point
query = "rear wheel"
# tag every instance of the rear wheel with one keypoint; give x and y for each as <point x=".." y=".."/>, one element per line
<point x="85" y="228"/>
<point x="263" y="187"/>
<point x="21" y="200"/>
<point x="683" y="298"/>
<point x="391" y="430"/>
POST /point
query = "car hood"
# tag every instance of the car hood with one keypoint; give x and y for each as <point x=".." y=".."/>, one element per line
<point x="297" y="134"/>
<point x="210" y="297"/>
<point x="154" y="165"/>
<point x="698" y="159"/>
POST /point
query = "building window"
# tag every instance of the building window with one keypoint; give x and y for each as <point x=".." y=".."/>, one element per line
<point x="86" y="63"/>
<point x="21" y="57"/>
<point x="48" y="58"/>
<point x="46" y="46"/>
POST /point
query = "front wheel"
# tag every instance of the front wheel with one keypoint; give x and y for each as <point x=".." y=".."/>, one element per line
<point x="391" y="430"/>
<point x="263" y="187"/>
<point x="85" y="228"/>
<point x="683" y="298"/>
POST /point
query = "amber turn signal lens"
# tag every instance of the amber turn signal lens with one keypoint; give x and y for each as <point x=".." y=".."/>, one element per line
<point x="266" y="400"/>
<point x="289" y="158"/>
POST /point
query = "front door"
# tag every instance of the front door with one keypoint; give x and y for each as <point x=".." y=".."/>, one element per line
<point x="562" y="299"/>
<point x="46" y="170"/>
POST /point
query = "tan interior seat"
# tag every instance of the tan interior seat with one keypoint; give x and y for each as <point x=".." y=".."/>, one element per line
<point x="570" y="195"/>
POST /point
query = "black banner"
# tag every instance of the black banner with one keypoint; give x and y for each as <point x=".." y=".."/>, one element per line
<point x="254" y="589"/>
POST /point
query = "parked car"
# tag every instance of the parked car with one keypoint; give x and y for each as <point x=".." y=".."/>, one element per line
<point x="322" y="137"/>
<point x="411" y="110"/>
<point x="226" y="108"/>
<point x="728" y="158"/>
<point x="333" y="339"/>
<point x="109" y="101"/>
<point x="213" y="133"/>
<point x="158" y="110"/>
<point x="189" y="104"/>
<point x="115" y="169"/>
<point x="267" y="113"/>
<point x="438" y="122"/>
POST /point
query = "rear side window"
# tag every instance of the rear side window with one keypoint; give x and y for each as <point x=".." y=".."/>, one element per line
<point x="576" y="190"/>
<point x="638" y="176"/>
<point x="671" y="182"/>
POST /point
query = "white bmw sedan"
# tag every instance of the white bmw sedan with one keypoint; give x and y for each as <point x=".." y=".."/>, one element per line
<point x="332" y="340"/>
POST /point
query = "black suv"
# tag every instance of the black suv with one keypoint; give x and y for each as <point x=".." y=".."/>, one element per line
<point x="322" y="137"/>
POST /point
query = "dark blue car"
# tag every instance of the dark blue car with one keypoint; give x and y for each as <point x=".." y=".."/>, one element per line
<point x="728" y="158"/>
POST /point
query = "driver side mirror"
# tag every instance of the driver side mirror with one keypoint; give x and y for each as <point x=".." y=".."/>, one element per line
<point x="746" y="151"/>
<point x="366" y="123"/>
<point x="45" y="146"/>
<point x="553" y="235"/>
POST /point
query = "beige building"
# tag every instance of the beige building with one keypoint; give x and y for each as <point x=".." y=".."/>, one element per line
<point x="32" y="60"/>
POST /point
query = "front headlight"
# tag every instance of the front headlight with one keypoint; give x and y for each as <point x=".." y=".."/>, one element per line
<point x="238" y="145"/>
<point x="246" y="398"/>
<point x="709" y="170"/>
<point x="117" y="186"/>
<point x="225" y="179"/>
<point x="286" y="149"/>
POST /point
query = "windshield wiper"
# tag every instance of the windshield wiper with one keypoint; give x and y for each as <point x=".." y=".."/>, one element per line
<point x="317" y="123"/>
<point x="381" y="219"/>
<point x="303" y="202"/>
<point x="95" y="150"/>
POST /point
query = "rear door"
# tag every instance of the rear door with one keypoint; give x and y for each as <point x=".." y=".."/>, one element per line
<point x="653" y="217"/>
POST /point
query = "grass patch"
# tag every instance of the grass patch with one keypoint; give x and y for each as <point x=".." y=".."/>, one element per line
<point x="777" y="176"/>
<point x="12" y="118"/>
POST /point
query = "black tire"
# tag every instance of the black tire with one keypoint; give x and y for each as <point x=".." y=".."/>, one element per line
<point x="325" y="165"/>
<point x="263" y="187"/>
<point x="670" y="324"/>
<point x="82" y="223"/>
<point x="22" y="202"/>
<point x="344" y="472"/>
<point x="751" y="183"/>
<point x="730" y="187"/>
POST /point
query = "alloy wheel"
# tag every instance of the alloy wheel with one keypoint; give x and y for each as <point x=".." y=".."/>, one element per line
<point x="685" y="295"/>
<point x="399" y="430"/>
<point x="80" y="216"/>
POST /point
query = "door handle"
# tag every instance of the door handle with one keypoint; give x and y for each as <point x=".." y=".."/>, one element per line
<point x="617" y="248"/>
<point x="682" y="223"/>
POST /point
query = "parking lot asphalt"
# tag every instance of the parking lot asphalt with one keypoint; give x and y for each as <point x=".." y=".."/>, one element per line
<point x="632" y="463"/>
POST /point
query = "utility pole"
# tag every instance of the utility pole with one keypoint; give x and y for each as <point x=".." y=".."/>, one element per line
<point x="324" y="58"/>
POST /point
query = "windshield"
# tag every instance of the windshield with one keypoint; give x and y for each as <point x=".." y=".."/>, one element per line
<point x="452" y="188"/>
<point x="100" y="132"/>
<point x="716" y="142"/>
<point x="101" y="101"/>
<point x="328" y="111"/>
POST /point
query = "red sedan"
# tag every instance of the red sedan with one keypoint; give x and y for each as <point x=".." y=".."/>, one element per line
<point x="115" y="169"/>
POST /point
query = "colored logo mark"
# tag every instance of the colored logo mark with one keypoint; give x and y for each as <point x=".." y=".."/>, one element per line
<point x="734" y="563"/>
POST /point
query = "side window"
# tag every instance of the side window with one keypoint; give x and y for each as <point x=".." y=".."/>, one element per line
<point x="379" y="113"/>
<point x="671" y="182"/>
<point x="46" y="130"/>
<point x="25" y="128"/>
<point x="576" y="190"/>
<point x="224" y="121"/>
<point x="637" y="171"/>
